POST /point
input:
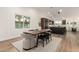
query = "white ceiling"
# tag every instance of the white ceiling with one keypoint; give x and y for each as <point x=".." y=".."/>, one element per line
<point x="67" y="12"/>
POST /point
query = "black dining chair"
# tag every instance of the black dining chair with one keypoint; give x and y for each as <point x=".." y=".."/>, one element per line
<point x="49" y="34"/>
<point x="43" y="37"/>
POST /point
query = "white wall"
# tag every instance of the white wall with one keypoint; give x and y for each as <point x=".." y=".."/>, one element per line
<point x="69" y="26"/>
<point x="7" y="21"/>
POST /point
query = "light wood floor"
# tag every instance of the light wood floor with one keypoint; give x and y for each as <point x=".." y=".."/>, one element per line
<point x="69" y="43"/>
<point x="6" y="46"/>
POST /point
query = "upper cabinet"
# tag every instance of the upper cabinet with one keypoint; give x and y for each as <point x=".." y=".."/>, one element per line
<point x="63" y="22"/>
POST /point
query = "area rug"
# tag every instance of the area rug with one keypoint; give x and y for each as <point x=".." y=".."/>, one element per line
<point x="50" y="47"/>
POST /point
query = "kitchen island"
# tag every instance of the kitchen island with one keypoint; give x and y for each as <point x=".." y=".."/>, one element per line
<point x="58" y="30"/>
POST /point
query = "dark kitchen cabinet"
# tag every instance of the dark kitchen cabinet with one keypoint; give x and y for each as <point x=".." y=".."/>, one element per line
<point x="44" y="23"/>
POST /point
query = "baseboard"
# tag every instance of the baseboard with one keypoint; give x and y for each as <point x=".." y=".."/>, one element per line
<point x="10" y="39"/>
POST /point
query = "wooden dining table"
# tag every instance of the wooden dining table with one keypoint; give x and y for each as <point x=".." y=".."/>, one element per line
<point x="36" y="33"/>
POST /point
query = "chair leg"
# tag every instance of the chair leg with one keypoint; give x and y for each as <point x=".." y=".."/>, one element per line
<point x="51" y="37"/>
<point x="43" y="42"/>
<point x="37" y="42"/>
<point x="46" y="40"/>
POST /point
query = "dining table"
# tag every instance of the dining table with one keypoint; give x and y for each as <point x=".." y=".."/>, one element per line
<point x="36" y="32"/>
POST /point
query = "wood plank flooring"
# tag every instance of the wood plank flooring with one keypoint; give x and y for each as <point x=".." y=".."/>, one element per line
<point x="69" y="43"/>
<point x="6" y="46"/>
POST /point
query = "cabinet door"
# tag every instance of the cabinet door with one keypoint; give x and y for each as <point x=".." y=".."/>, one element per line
<point x="44" y="23"/>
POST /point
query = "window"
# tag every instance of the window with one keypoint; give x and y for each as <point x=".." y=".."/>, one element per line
<point x="26" y="22"/>
<point x="22" y="21"/>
